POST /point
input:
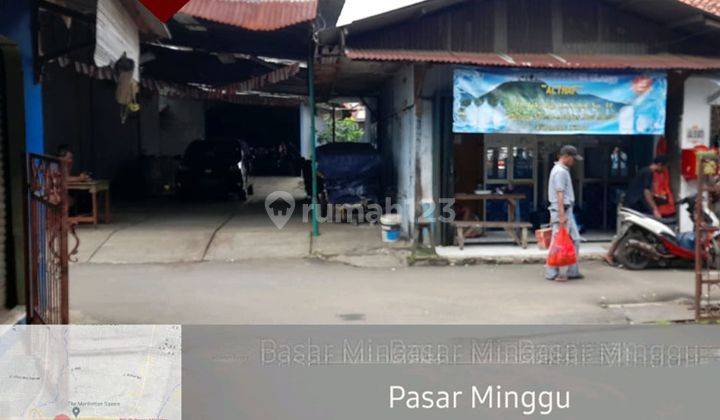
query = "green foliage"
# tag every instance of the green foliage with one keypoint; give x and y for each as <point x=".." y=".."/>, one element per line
<point x="346" y="130"/>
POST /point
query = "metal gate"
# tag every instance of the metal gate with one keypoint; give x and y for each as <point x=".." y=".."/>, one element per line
<point x="5" y="252"/>
<point x="47" y="301"/>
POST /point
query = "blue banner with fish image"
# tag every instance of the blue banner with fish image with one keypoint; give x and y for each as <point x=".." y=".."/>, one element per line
<point x="558" y="102"/>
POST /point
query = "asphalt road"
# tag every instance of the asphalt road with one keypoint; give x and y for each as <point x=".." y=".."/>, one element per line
<point x="303" y="291"/>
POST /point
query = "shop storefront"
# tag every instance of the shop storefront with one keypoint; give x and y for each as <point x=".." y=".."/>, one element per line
<point x="481" y="98"/>
<point x="700" y="129"/>
<point x="509" y="124"/>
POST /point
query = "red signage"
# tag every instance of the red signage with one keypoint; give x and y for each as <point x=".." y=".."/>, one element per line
<point x="164" y="9"/>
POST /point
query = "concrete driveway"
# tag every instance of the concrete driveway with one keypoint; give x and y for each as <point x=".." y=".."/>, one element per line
<point x="169" y="231"/>
<point x="226" y="263"/>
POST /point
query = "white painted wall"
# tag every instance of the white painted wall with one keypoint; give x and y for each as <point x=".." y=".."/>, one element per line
<point x="405" y="149"/>
<point x="426" y="151"/>
<point x="415" y="148"/>
<point x="370" y="127"/>
<point x="117" y="34"/>
<point x="305" y="143"/>
<point x="696" y="115"/>
<point x="399" y="142"/>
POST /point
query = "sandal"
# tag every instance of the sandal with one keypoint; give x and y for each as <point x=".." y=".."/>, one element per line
<point x="609" y="260"/>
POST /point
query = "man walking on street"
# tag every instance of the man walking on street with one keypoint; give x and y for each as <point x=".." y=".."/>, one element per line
<point x="562" y="199"/>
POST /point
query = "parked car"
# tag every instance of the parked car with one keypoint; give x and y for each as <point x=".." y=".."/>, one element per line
<point x="215" y="168"/>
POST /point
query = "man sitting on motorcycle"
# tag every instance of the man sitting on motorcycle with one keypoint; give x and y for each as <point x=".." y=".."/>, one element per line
<point x="640" y="197"/>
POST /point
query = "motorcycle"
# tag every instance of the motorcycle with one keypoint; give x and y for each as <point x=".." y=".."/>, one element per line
<point x="645" y="240"/>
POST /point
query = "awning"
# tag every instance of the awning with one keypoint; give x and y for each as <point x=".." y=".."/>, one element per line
<point x="185" y="65"/>
<point x="189" y="66"/>
<point x="237" y="93"/>
<point x="267" y="15"/>
<point x="564" y="61"/>
<point x="258" y="82"/>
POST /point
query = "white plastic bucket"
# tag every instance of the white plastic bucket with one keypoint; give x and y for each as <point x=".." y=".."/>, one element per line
<point x="390" y="227"/>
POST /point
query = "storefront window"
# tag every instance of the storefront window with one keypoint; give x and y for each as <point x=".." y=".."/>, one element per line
<point x="526" y="205"/>
<point x="496" y="162"/>
<point x="523" y="163"/>
<point x="497" y="210"/>
<point x="593" y="205"/>
<point x="619" y="167"/>
<point x="595" y="164"/>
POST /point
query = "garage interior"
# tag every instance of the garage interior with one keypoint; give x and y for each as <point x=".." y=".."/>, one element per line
<point x="208" y="81"/>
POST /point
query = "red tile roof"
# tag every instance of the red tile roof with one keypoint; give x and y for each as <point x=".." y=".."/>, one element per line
<point x="255" y="15"/>
<point x="564" y="61"/>
<point x="709" y="6"/>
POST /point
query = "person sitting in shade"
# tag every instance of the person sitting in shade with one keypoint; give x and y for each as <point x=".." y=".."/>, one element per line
<point x="66" y="153"/>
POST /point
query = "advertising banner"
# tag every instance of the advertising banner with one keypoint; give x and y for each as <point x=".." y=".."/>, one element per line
<point x="558" y="102"/>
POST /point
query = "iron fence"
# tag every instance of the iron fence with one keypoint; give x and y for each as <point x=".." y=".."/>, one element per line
<point x="47" y="301"/>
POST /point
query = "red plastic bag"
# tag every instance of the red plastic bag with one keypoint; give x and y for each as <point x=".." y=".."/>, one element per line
<point x="543" y="236"/>
<point x="562" y="250"/>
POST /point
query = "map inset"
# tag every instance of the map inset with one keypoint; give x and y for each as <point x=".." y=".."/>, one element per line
<point x="90" y="372"/>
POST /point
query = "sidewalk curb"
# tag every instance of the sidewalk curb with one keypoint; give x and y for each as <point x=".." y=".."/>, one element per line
<point x="14" y="316"/>
<point x="490" y="260"/>
<point x="378" y="259"/>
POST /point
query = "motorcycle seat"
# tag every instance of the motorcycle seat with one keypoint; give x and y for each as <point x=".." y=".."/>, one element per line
<point x="686" y="240"/>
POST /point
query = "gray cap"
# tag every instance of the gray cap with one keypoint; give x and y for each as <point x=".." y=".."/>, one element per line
<point x="570" y="151"/>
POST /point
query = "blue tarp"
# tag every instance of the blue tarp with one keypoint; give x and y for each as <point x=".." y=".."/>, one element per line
<point x="351" y="172"/>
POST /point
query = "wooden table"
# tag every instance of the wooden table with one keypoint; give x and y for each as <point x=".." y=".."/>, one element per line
<point x="510" y="198"/>
<point x="511" y="226"/>
<point x="93" y="187"/>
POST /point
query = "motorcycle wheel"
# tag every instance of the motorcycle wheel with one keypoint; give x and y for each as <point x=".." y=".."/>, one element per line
<point x="630" y="258"/>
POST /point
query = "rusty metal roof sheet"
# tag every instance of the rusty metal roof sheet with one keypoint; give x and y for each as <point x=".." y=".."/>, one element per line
<point x="564" y="61"/>
<point x="709" y="6"/>
<point x="255" y="15"/>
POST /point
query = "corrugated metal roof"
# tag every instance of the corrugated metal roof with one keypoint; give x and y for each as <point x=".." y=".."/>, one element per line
<point x="564" y="61"/>
<point x="255" y="15"/>
<point x="710" y="6"/>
